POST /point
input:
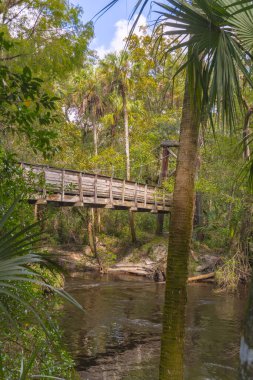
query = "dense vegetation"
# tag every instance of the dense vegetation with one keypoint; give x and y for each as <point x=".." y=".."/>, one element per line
<point x="64" y="106"/>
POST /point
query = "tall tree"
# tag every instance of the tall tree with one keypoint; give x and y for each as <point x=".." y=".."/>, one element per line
<point x="89" y="99"/>
<point x="215" y="34"/>
<point x="120" y="72"/>
<point x="51" y="36"/>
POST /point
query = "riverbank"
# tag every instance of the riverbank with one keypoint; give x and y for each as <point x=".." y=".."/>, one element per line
<point x="147" y="259"/>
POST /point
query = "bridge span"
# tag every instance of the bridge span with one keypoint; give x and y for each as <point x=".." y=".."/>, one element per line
<point x="64" y="187"/>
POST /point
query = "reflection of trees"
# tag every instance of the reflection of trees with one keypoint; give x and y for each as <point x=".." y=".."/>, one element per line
<point x="246" y="349"/>
<point x="121" y="327"/>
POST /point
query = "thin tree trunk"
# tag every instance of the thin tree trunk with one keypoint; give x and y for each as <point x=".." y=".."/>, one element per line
<point x="92" y="238"/>
<point x="95" y="138"/>
<point x="180" y="234"/>
<point x="246" y="133"/>
<point x="246" y="350"/>
<point x="126" y="129"/>
<point x="132" y="227"/>
<point x="97" y="218"/>
<point x="128" y="167"/>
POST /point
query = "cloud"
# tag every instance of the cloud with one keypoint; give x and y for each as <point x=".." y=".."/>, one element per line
<point x="122" y="28"/>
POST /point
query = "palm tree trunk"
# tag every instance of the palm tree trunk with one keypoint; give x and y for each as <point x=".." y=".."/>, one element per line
<point x="95" y="138"/>
<point x="127" y="152"/>
<point x="246" y="133"/>
<point x="126" y="129"/>
<point x="180" y="234"/>
<point x="246" y="350"/>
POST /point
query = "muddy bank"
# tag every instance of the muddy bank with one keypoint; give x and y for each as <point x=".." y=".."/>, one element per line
<point x="148" y="259"/>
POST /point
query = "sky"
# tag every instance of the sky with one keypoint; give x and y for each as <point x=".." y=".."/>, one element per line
<point x="112" y="27"/>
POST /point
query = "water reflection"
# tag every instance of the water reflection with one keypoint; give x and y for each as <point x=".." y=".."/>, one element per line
<point x="119" y="335"/>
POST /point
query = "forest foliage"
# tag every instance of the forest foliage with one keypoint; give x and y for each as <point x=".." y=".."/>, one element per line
<point x="64" y="106"/>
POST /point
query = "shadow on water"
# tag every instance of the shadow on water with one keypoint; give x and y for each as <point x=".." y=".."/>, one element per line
<point x="118" y="338"/>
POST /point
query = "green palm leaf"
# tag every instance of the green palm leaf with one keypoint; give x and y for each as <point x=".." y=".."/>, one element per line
<point x="17" y="265"/>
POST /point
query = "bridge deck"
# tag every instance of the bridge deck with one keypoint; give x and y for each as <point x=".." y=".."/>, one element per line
<point x="72" y="188"/>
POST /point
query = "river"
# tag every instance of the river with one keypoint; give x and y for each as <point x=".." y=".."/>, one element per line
<point x="118" y="336"/>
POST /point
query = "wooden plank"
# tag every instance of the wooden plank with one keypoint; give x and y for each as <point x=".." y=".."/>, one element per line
<point x="44" y="191"/>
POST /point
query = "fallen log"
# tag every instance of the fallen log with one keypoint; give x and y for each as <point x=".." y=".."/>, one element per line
<point x="144" y="271"/>
<point x="201" y="277"/>
<point x="131" y="270"/>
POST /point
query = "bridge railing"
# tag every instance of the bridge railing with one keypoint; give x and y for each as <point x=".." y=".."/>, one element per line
<point x="69" y="186"/>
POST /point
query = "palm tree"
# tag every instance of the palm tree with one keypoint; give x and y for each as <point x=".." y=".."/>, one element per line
<point x="118" y="72"/>
<point x="17" y="263"/>
<point x="216" y="36"/>
<point x="214" y="60"/>
<point x="89" y="99"/>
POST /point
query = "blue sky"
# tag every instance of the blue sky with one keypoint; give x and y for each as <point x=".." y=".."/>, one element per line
<point x="112" y="27"/>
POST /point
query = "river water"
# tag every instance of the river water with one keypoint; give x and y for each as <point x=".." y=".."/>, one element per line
<point x="118" y="337"/>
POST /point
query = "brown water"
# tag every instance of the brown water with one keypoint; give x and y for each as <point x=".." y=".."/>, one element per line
<point x="118" y="338"/>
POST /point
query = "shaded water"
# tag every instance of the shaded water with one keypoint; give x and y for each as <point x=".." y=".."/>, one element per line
<point x="118" y="338"/>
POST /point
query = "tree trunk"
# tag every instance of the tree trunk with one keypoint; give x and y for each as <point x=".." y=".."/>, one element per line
<point x="246" y="133"/>
<point x="198" y="217"/>
<point x="126" y="129"/>
<point x="95" y="138"/>
<point x="92" y="238"/>
<point x="127" y="152"/>
<point x="180" y="234"/>
<point x="246" y="350"/>
<point x="132" y="227"/>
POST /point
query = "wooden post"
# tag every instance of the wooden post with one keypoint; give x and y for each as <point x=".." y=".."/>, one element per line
<point x="44" y="191"/>
<point x="111" y="194"/>
<point x="110" y="204"/>
<point x="135" y="207"/>
<point x="164" y="199"/>
<point x="95" y="189"/>
<point x="145" y="195"/>
<point x="62" y="185"/>
<point x="135" y="194"/>
<point x="36" y="212"/>
<point x="80" y="181"/>
<point x="123" y="191"/>
<point x="155" y="201"/>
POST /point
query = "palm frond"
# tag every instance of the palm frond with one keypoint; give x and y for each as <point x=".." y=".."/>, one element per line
<point x="213" y="48"/>
<point x="18" y="264"/>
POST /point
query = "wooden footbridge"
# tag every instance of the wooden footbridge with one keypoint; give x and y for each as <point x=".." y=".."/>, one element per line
<point x="74" y="188"/>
